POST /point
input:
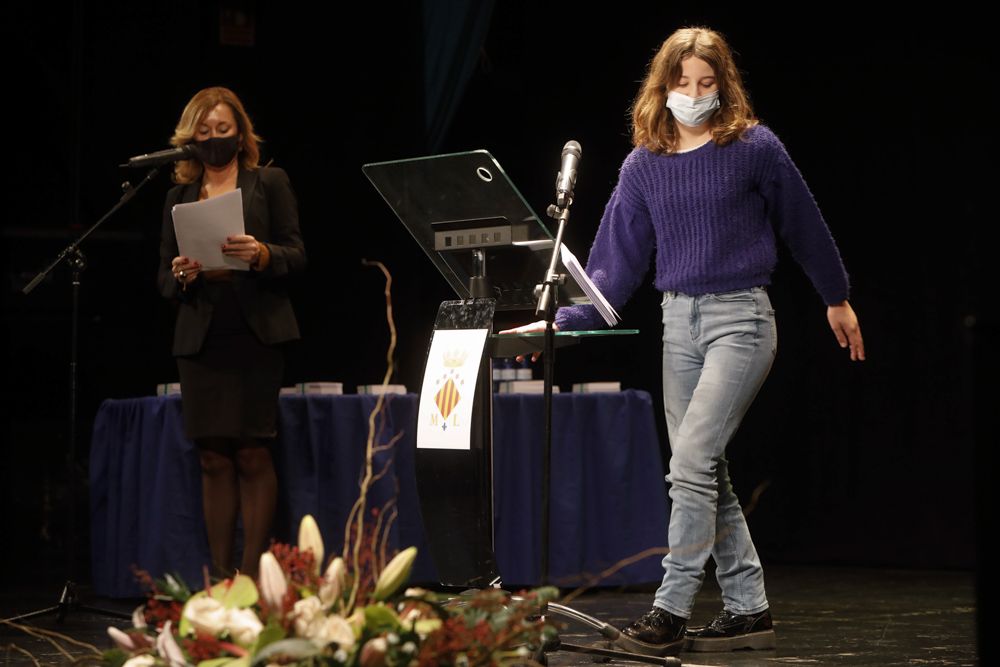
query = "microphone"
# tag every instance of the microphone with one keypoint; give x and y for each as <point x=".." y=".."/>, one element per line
<point x="566" y="178"/>
<point x="185" y="152"/>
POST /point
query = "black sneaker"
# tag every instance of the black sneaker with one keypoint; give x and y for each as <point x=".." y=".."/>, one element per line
<point x="730" y="632"/>
<point x="657" y="632"/>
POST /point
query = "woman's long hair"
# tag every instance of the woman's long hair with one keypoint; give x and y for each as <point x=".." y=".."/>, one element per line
<point x="653" y="123"/>
<point x="189" y="171"/>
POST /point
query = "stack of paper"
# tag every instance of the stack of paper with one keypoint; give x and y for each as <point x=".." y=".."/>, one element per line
<point x="323" y="388"/>
<point x="524" y="387"/>
<point x="203" y="226"/>
<point x="596" y="387"/>
<point x="333" y="388"/>
<point x="590" y="289"/>
<point x="378" y="389"/>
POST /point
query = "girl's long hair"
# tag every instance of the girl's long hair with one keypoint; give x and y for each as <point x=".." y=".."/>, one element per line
<point x="653" y="123"/>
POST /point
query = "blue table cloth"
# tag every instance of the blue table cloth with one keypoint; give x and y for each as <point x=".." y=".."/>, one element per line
<point x="608" y="496"/>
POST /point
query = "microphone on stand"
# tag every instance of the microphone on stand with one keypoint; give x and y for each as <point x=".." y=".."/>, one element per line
<point x="566" y="179"/>
<point x="185" y="152"/>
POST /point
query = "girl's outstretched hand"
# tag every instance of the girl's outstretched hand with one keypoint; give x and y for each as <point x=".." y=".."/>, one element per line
<point x="534" y="327"/>
<point x="845" y="327"/>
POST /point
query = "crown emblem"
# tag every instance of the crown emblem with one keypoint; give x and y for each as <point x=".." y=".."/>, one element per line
<point x="454" y="358"/>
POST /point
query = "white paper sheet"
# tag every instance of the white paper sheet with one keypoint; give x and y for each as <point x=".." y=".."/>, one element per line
<point x="202" y="227"/>
<point x="589" y="288"/>
<point x="444" y="416"/>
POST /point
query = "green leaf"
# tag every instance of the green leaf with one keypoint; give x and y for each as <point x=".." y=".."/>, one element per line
<point x="217" y="662"/>
<point x="235" y="593"/>
<point x="547" y="593"/>
<point x="426" y="626"/>
<point x="227" y="661"/>
<point x="499" y="620"/>
<point x="295" y="648"/>
<point x="174" y="586"/>
<point x="271" y="633"/>
<point x="380" y="618"/>
<point x="115" y="657"/>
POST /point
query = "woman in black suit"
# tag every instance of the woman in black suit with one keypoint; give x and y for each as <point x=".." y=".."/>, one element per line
<point x="231" y="324"/>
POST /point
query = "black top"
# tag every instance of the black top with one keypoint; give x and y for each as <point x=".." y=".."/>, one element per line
<point x="271" y="216"/>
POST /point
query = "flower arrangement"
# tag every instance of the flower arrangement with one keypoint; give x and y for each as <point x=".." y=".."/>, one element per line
<point x="296" y="613"/>
<point x="349" y="613"/>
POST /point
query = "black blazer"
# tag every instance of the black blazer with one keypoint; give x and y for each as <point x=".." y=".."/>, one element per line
<point x="270" y="215"/>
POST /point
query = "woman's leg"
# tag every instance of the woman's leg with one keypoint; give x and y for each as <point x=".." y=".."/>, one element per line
<point x="738" y="568"/>
<point x="682" y="367"/>
<point x="733" y="336"/>
<point x="220" y="500"/>
<point x="258" y="485"/>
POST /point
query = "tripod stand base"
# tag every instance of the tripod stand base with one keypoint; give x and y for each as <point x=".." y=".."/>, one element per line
<point x="604" y="652"/>
<point x="608" y="654"/>
<point x="68" y="601"/>
<point x="601" y="652"/>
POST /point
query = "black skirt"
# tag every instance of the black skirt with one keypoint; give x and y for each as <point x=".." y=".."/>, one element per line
<point x="230" y="388"/>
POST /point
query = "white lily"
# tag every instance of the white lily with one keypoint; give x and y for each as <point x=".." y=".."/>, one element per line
<point x="272" y="581"/>
<point x="310" y="539"/>
<point x="168" y="649"/>
<point x="124" y="642"/>
<point x="333" y="581"/>
<point x="139" y="618"/>
<point x="395" y="573"/>
<point x="144" y="660"/>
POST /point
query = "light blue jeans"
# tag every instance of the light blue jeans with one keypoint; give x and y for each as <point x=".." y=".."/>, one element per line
<point x="717" y="351"/>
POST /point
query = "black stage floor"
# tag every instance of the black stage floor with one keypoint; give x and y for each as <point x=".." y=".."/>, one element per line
<point x="822" y="616"/>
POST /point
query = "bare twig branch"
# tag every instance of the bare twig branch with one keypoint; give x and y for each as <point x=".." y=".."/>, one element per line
<point x="359" y="516"/>
<point x="50" y="636"/>
<point x="385" y="534"/>
<point x="755" y="497"/>
<point x="15" y="647"/>
<point x="614" y="568"/>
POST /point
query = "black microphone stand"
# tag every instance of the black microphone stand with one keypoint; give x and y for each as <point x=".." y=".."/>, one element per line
<point x="77" y="263"/>
<point x="546" y="309"/>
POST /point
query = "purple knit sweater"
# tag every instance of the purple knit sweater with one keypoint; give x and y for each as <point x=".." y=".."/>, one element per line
<point x="711" y="215"/>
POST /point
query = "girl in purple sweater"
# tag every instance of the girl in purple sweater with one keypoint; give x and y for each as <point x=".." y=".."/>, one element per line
<point x="704" y="193"/>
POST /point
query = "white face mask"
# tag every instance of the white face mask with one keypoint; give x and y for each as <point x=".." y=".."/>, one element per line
<point x="692" y="111"/>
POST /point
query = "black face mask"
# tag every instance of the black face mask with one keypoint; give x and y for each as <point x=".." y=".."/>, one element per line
<point x="218" y="151"/>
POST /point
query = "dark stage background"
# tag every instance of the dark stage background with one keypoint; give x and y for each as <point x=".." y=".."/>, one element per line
<point x="866" y="464"/>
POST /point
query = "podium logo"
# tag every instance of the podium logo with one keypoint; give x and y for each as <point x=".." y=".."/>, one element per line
<point x="449" y="395"/>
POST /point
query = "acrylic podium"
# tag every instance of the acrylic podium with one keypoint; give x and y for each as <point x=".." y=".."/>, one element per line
<point x="489" y="245"/>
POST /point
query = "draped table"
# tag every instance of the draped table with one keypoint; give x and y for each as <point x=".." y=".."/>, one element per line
<point x="608" y="496"/>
